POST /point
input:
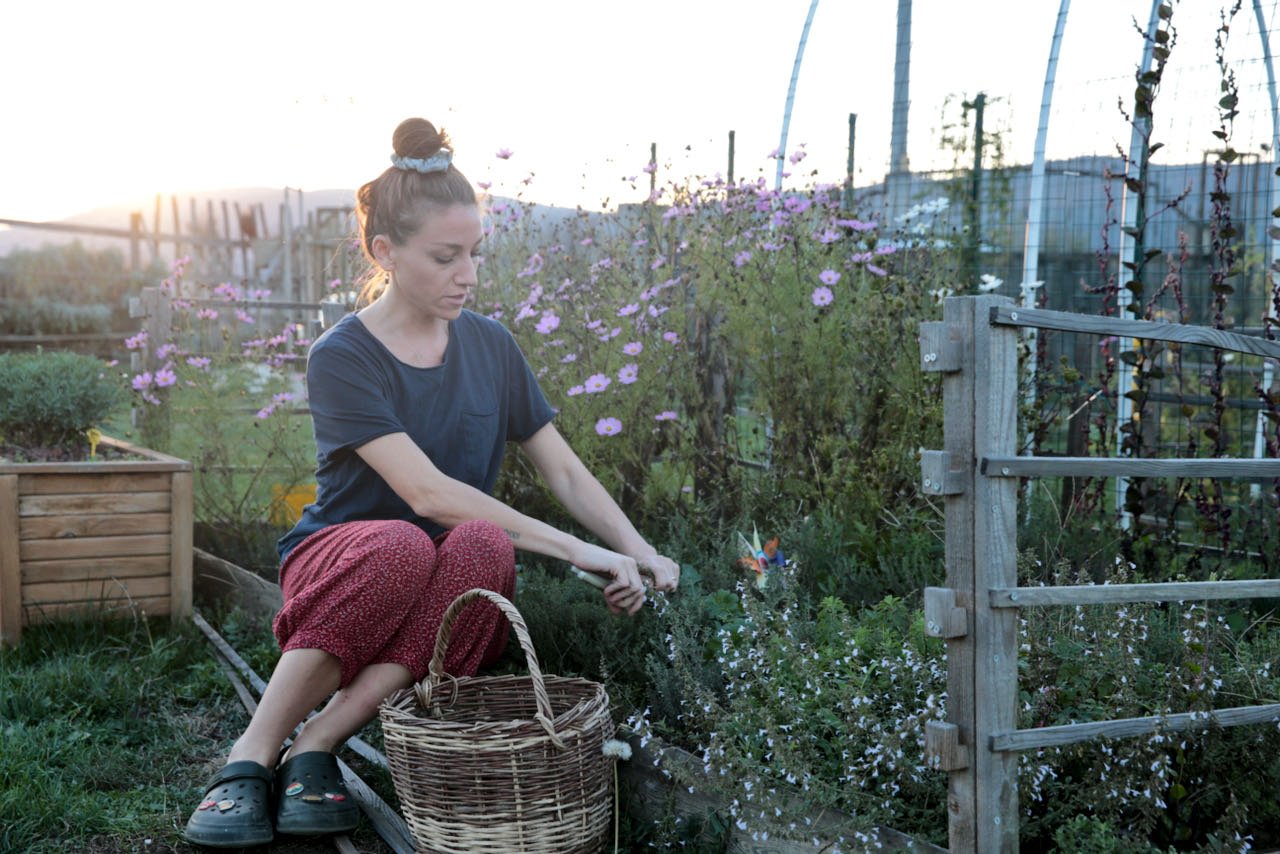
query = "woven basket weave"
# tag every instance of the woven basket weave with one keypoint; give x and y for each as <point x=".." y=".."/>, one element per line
<point x="500" y="764"/>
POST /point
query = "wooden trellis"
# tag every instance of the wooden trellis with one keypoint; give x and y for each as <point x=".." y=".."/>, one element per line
<point x="975" y="347"/>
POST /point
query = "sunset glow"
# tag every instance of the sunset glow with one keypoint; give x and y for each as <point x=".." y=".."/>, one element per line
<point x="108" y="104"/>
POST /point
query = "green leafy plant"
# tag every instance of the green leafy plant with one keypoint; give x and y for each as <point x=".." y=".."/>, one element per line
<point x="50" y="399"/>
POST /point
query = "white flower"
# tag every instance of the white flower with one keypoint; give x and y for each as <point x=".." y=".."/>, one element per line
<point x="615" y="749"/>
<point x="988" y="283"/>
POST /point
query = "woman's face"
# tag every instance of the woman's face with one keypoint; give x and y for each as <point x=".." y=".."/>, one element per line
<point x="435" y="269"/>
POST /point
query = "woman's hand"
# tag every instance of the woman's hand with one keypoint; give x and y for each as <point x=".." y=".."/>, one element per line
<point x="664" y="571"/>
<point x="625" y="593"/>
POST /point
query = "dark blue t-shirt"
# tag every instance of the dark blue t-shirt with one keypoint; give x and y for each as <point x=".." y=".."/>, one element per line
<point x="460" y="413"/>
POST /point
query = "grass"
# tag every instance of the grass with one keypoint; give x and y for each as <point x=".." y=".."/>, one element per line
<point x="110" y="730"/>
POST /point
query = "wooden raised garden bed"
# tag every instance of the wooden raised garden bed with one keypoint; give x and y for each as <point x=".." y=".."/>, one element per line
<point x="110" y="536"/>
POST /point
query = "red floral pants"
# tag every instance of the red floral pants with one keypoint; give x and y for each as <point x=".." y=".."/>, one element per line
<point x="376" y="592"/>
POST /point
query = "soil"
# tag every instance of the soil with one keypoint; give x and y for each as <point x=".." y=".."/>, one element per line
<point x="71" y="453"/>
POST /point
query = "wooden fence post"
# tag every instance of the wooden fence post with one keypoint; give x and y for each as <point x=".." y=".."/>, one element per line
<point x="979" y="388"/>
<point x="995" y="542"/>
<point x="10" y="567"/>
<point x="957" y="393"/>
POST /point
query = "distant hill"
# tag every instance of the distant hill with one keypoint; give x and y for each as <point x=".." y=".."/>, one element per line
<point x="271" y="200"/>
<point x="117" y="216"/>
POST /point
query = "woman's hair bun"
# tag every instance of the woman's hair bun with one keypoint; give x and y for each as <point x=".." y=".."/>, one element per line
<point x="418" y="138"/>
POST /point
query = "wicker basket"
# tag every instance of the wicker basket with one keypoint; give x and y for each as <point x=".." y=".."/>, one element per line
<point x="500" y="764"/>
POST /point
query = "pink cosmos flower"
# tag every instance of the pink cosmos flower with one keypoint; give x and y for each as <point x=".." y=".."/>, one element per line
<point x="671" y="337"/>
<point x="633" y="348"/>
<point x="628" y="374"/>
<point x="629" y="309"/>
<point x="165" y="377"/>
<point x="822" y="296"/>
<point x="608" y="427"/>
<point x="142" y="381"/>
<point x="504" y="153"/>
<point x="207" y="314"/>
<point x="741" y="258"/>
<point x="575" y="391"/>
<point x="596" y="382"/>
<point x="829" y="277"/>
<point x="569" y="357"/>
<point x="136" y="341"/>
<point x="201" y="362"/>
<point x="548" y="324"/>
<point x="668" y="415"/>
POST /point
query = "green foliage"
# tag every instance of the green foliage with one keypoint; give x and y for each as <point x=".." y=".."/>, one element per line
<point x="1100" y="663"/>
<point x="49" y="399"/>
<point x="726" y="351"/>
<point x="224" y="397"/>
<point x="806" y="708"/>
<point x="53" y="317"/>
<point x="85" y="706"/>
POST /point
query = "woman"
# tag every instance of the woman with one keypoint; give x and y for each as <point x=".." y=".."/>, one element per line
<point x="413" y="399"/>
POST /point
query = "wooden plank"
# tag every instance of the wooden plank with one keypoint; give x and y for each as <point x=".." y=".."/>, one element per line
<point x="1000" y="465"/>
<point x="938" y="477"/>
<point x="93" y="525"/>
<point x="217" y="582"/>
<point x="115" y="502"/>
<point x="1010" y="315"/>
<point x="939" y="352"/>
<point x="942" y="744"/>
<point x="92" y="590"/>
<point x="995" y="631"/>
<point x="942" y="618"/>
<point x="959" y="509"/>
<point x="130" y="566"/>
<point x="1056" y="736"/>
<point x="10" y="563"/>
<point x="180" y="545"/>
<point x="1111" y="594"/>
<point x="129" y="447"/>
<point x="117" y="466"/>
<point x="143" y="544"/>
<point x="92" y="482"/>
<point x="157" y="606"/>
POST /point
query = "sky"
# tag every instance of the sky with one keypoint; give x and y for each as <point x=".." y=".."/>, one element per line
<point x="110" y="103"/>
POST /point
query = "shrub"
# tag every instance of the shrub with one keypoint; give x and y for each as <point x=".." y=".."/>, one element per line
<point x="49" y="399"/>
<point x="53" y="317"/>
<point x="802" y="710"/>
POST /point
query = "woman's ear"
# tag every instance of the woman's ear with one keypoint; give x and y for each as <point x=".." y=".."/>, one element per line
<point x="381" y="246"/>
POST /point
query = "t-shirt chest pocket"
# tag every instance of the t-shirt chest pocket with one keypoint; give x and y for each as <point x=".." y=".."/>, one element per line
<point x="480" y="435"/>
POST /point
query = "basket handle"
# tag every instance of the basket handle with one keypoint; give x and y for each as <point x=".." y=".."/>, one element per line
<point x="435" y="671"/>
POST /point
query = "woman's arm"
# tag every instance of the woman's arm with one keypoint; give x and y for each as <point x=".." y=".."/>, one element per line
<point x="432" y="494"/>
<point x="590" y="503"/>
